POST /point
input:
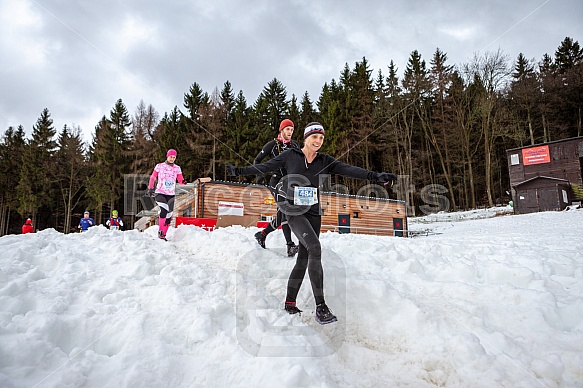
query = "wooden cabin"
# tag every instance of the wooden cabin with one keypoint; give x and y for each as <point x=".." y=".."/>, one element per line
<point x="218" y="203"/>
<point x="546" y="176"/>
<point x="542" y="194"/>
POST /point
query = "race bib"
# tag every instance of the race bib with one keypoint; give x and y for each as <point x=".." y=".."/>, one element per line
<point x="305" y="195"/>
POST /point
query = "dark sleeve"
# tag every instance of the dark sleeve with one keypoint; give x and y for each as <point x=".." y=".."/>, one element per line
<point x="264" y="152"/>
<point x="273" y="164"/>
<point x="337" y="167"/>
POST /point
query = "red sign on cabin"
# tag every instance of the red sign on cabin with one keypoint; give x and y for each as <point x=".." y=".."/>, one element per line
<point x="536" y="155"/>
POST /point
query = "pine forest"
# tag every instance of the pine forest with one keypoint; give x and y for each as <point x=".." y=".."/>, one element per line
<point x="434" y="124"/>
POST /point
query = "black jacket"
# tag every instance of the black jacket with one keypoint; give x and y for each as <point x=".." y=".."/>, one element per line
<point x="272" y="149"/>
<point x="303" y="174"/>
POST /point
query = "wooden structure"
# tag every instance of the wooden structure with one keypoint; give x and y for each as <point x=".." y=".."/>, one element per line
<point x="342" y="213"/>
<point x="546" y="176"/>
<point x="542" y="194"/>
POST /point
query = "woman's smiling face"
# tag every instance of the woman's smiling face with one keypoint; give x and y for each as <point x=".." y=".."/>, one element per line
<point x="314" y="142"/>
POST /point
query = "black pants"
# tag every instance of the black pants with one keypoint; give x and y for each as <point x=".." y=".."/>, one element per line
<point x="166" y="203"/>
<point x="306" y="227"/>
<point x="275" y="186"/>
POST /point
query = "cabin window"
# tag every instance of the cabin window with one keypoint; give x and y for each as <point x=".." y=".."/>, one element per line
<point x="355" y="215"/>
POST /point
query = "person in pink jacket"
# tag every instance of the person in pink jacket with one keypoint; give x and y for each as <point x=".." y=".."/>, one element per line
<point x="167" y="174"/>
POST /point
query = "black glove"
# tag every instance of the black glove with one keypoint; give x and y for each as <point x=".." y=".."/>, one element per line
<point x="232" y="170"/>
<point x="150" y="193"/>
<point x="386" y="177"/>
<point x="183" y="182"/>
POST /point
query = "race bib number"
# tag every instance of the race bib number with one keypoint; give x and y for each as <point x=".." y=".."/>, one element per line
<point x="305" y="196"/>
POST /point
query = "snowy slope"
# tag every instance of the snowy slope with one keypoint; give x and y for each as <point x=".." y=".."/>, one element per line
<point x="490" y="301"/>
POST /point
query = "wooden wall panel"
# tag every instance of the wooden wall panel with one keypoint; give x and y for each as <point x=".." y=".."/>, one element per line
<point x="375" y="216"/>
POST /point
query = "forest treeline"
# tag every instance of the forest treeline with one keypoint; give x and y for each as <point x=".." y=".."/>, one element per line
<point x="435" y="124"/>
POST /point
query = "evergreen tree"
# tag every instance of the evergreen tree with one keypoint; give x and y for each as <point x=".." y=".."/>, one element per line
<point x="38" y="170"/>
<point x="359" y="104"/>
<point x="99" y="188"/>
<point x="227" y="102"/>
<point x="393" y="107"/>
<point x="416" y="90"/>
<point x="193" y="100"/>
<point x="307" y="115"/>
<point x="111" y="159"/>
<point x="568" y="55"/>
<point x="275" y="104"/>
<point x="11" y="152"/>
<point x="294" y="111"/>
<point x="231" y="135"/>
<point x="270" y="108"/>
<point x="71" y="174"/>
<point x="187" y="137"/>
<point x="524" y="95"/>
<point x="119" y="160"/>
<point x="240" y="132"/>
<point x="260" y="129"/>
<point x="549" y="86"/>
<point x="192" y="127"/>
<point x="569" y="64"/>
<point x="330" y="105"/>
<point x="437" y="128"/>
<point x="213" y="116"/>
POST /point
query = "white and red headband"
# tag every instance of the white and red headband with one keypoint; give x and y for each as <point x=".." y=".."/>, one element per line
<point x="312" y="129"/>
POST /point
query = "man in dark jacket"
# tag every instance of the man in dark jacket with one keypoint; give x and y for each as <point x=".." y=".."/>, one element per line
<point x="272" y="149"/>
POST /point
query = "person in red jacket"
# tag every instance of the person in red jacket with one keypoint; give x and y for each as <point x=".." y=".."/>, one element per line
<point x="27" y="227"/>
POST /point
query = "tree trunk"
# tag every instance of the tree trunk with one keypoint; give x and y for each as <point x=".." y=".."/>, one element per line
<point x="488" y="158"/>
<point x="530" y="130"/>
<point x="546" y="138"/>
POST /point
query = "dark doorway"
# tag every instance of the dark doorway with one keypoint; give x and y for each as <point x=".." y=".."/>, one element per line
<point x="344" y="223"/>
<point x="398" y="227"/>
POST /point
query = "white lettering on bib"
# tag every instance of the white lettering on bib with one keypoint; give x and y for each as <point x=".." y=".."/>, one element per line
<point x="305" y="196"/>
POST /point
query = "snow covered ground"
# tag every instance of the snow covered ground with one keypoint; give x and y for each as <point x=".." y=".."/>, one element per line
<point x="475" y="300"/>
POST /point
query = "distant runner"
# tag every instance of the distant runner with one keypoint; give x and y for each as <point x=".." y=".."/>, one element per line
<point x="167" y="174"/>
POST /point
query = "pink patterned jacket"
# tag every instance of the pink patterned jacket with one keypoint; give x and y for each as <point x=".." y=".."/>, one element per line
<point x="167" y="175"/>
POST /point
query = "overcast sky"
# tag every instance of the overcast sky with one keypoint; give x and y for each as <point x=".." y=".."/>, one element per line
<point x="77" y="58"/>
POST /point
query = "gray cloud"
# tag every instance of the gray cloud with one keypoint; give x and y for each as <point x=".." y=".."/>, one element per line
<point x="78" y="58"/>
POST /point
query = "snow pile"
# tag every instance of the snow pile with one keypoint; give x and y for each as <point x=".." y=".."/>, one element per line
<point x="491" y="301"/>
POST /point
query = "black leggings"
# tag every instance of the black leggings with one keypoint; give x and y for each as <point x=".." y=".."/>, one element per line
<point x="306" y="227"/>
<point x="275" y="186"/>
<point x="166" y="203"/>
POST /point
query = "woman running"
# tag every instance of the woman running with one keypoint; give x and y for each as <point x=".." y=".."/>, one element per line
<point x="302" y="208"/>
<point x="167" y="174"/>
